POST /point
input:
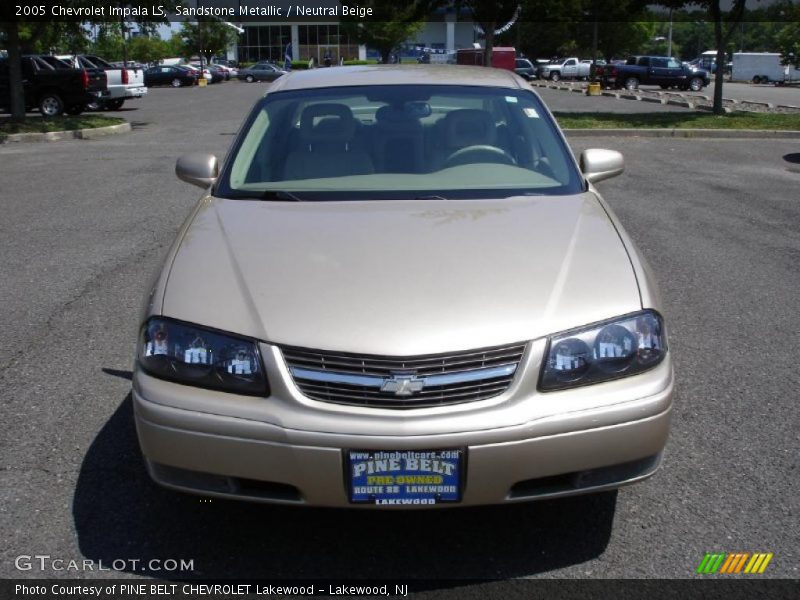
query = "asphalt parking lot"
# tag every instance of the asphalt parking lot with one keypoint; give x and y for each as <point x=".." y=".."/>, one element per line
<point x="85" y="224"/>
<point x="753" y="93"/>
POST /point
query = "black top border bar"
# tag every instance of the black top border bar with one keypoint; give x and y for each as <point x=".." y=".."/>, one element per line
<point x="276" y="11"/>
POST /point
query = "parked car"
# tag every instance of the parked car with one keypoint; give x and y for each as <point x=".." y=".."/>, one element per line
<point x="218" y="74"/>
<point x="567" y="68"/>
<point x="524" y="68"/>
<point x="53" y="90"/>
<point x="54" y="62"/>
<point x="211" y="73"/>
<point x="224" y="62"/>
<point x="262" y="71"/>
<point x="707" y="61"/>
<point x="123" y="83"/>
<point x="226" y="70"/>
<point x="663" y="71"/>
<point x="176" y="76"/>
<point x="342" y="324"/>
<point x="131" y="64"/>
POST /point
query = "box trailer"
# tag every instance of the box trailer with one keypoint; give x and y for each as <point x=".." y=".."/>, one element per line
<point x="502" y="57"/>
<point x="762" y="67"/>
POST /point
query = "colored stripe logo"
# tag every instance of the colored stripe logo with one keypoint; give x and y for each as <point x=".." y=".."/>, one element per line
<point x="734" y="563"/>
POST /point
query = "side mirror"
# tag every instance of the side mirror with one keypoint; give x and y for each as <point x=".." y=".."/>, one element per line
<point x="198" y="169"/>
<point x="598" y="164"/>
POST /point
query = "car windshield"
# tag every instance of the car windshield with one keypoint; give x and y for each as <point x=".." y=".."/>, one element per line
<point x="398" y="142"/>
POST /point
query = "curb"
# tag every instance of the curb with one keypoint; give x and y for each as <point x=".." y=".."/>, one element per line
<point x="686" y="133"/>
<point x="682" y="103"/>
<point x="675" y="99"/>
<point x="75" y="134"/>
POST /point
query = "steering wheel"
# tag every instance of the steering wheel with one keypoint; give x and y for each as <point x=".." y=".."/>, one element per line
<point x="482" y="153"/>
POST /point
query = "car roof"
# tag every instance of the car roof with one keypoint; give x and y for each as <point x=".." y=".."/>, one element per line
<point x="397" y="75"/>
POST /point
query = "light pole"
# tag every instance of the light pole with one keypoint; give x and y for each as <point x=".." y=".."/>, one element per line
<point x="200" y="42"/>
<point x="669" y="36"/>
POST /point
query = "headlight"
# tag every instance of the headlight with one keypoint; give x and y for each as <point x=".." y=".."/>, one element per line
<point x="194" y="355"/>
<point x="610" y="350"/>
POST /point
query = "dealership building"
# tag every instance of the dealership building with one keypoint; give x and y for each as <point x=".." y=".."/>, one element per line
<point x="443" y="32"/>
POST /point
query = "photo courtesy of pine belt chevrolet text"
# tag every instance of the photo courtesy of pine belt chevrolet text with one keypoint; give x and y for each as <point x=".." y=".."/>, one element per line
<point x="401" y="289"/>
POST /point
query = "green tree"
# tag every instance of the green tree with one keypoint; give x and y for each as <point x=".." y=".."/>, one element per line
<point x="567" y="27"/>
<point x="788" y="39"/>
<point x="693" y="35"/>
<point x="393" y="23"/>
<point x="549" y="28"/>
<point x="725" y="25"/>
<point x="147" y="49"/>
<point x="207" y="38"/>
<point x="490" y="15"/>
<point x="109" y="42"/>
<point x="629" y="40"/>
<point x="174" y="46"/>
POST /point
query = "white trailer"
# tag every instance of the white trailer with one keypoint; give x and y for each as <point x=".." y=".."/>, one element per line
<point x="762" y="67"/>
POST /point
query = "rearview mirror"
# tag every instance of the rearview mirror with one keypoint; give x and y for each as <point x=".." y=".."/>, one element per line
<point x="598" y="164"/>
<point x="198" y="169"/>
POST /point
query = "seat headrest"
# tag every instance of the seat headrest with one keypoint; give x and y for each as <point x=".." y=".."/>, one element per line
<point x="327" y="123"/>
<point x="469" y="127"/>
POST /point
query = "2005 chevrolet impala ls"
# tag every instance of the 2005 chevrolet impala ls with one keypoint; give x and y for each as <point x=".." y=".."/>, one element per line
<point x="401" y="289"/>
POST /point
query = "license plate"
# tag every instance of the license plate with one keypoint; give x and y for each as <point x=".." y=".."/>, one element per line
<point x="404" y="477"/>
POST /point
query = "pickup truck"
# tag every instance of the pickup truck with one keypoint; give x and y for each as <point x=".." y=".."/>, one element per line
<point x="53" y="91"/>
<point x="568" y="68"/>
<point x="122" y="83"/>
<point x="663" y="71"/>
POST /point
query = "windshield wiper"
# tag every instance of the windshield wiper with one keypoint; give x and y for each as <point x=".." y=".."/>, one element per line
<point x="280" y="195"/>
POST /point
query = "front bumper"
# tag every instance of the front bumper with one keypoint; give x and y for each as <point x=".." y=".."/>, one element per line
<point x="289" y="449"/>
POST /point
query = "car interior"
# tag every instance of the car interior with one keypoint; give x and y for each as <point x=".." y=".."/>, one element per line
<point x="356" y="136"/>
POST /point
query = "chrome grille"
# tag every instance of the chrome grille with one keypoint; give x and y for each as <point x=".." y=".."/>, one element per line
<point x="403" y="382"/>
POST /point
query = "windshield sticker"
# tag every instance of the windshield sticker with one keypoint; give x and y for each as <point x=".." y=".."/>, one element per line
<point x="531" y="113"/>
<point x="512" y="99"/>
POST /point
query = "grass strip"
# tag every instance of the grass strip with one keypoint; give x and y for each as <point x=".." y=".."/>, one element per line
<point x="681" y="120"/>
<point x="37" y="124"/>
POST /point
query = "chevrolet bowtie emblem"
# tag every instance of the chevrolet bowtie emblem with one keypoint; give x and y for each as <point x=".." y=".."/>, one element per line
<point x="402" y="385"/>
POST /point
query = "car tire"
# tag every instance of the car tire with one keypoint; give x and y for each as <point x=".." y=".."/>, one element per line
<point x="664" y="86"/>
<point x="696" y="84"/>
<point x="176" y="83"/>
<point x="249" y="79"/>
<point x="51" y="105"/>
<point x="631" y="84"/>
<point x="115" y="104"/>
<point x="74" y="109"/>
<point x="555" y="76"/>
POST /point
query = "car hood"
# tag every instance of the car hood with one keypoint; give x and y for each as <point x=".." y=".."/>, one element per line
<point x="401" y="277"/>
